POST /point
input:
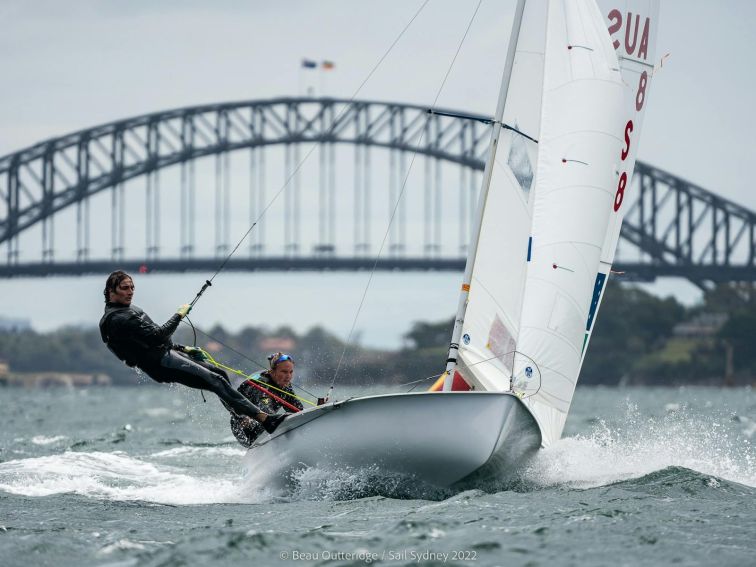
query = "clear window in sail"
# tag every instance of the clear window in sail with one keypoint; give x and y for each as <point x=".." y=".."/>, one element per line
<point x="519" y="163"/>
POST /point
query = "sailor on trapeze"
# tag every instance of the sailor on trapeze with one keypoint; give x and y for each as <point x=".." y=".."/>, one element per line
<point x="134" y="338"/>
<point x="270" y="390"/>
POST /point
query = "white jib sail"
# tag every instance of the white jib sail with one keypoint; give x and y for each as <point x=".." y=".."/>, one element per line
<point x="492" y="317"/>
<point x="548" y="210"/>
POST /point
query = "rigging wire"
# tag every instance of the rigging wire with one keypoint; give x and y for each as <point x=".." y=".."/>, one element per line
<point x="413" y="383"/>
<point x="241" y="354"/>
<point x="252" y="379"/>
<point x="209" y="282"/>
<point x="194" y="332"/>
<point x="464" y="367"/>
<point x="312" y="149"/>
<point x="286" y="183"/>
<point x="399" y="199"/>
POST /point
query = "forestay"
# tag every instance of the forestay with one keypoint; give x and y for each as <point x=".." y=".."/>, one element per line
<point x="549" y="208"/>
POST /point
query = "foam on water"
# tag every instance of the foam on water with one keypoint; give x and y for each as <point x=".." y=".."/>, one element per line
<point x="188" y="451"/>
<point x="121" y="545"/>
<point x="43" y="440"/>
<point x="749" y="425"/>
<point x="630" y="446"/>
<point x="117" y="476"/>
<point x="639" y="445"/>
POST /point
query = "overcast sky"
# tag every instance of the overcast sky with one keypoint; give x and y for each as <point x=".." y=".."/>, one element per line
<point x="70" y="65"/>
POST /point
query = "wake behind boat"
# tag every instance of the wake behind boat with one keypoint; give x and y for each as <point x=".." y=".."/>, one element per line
<point x="563" y="144"/>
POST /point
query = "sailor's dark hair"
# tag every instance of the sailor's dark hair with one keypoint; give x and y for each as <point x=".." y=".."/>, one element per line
<point x="277" y="358"/>
<point x="113" y="281"/>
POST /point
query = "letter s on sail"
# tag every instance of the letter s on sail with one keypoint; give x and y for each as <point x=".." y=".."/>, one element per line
<point x="626" y="149"/>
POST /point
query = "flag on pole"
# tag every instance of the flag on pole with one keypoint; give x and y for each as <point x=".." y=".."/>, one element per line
<point x="327" y="65"/>
<point x="309" y="64"/>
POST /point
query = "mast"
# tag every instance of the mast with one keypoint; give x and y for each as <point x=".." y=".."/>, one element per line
<point x="451" y="361"/>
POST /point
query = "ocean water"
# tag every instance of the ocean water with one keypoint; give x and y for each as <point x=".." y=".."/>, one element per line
<point x="152" y="476"/>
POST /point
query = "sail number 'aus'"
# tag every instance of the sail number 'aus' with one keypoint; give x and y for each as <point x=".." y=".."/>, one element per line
<point x="615" y="16"/>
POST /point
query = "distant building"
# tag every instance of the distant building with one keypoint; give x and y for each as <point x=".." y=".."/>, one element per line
<point x="283" y="344"/>
<point x="48" y="379"/>
<point x="11" y="325"/>
<point x="703" y="326"/>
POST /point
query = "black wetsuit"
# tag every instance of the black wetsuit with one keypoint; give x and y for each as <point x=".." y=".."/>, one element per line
<point x="133" y="337"/>
<point x="246" y="435"/>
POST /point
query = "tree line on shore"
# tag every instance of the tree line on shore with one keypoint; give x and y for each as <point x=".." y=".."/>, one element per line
<point x="638" y="339"/>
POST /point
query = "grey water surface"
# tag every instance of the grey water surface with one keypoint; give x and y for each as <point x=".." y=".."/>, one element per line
<point x="152" y="476"/>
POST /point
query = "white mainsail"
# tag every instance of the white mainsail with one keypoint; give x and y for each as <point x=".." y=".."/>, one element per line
<point x="632" y="26"/>
<point x="549" y="207"/>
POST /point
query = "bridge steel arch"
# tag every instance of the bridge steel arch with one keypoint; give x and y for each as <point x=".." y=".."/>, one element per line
<point x="41" y="180"/>
<point x="679" y="228"/>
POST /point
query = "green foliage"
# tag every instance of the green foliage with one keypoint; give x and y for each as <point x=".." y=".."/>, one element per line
<point x="430" y="335"/>
<point x="65" y="350"/>
<point x="426" y="351"/>
<point x="633" y="342"/>
<point x="730" y="298"/>
<point x="631" y="324"/>
<point x="739" y="332"/>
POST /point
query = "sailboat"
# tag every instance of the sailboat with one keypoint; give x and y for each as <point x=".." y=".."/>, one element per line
<point x="563" y="144"/>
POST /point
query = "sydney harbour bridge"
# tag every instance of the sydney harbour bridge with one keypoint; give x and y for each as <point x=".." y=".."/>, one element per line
<point x="335" y="184"/>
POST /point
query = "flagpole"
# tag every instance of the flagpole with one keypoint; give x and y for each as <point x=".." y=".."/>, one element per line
<point x="307" y="64"/>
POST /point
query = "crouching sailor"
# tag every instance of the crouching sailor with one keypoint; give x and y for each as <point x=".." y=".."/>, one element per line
<point x="270" y="391"/>
<point x="134" y="338"/>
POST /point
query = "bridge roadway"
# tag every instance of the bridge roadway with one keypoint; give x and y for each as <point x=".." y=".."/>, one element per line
<point x="638" y="272"/>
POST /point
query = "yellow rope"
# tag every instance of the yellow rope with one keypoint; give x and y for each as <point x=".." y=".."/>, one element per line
<point x="214" y="362"/>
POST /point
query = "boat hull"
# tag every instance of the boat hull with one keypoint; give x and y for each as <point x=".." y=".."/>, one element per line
<point x="441" y="439"/>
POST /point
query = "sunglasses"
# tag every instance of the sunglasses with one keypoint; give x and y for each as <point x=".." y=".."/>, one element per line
<point x="276" y="360"/>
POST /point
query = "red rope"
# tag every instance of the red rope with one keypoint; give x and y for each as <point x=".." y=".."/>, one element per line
<point x="281" y="401"/>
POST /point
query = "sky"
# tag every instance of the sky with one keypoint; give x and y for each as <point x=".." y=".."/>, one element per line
<point x="71" y="65"/>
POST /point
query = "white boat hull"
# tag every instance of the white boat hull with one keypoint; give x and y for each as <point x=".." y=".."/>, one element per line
<point x="441" y="439"/>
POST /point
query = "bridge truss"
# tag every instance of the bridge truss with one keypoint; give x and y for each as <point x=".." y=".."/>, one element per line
<point x="673" y="227"/>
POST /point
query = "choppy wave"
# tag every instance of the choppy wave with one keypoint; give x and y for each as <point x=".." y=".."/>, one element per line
<point x="677" y="451"/>
<point x="638" y="449"/>
<point x="679" y="481"/>
<point x="351" y="484"/>
<point x="639" y="446"/>
<point x="117" y="476"/>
